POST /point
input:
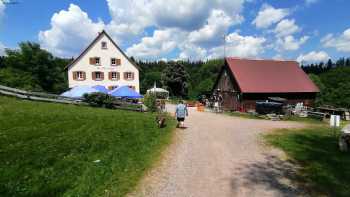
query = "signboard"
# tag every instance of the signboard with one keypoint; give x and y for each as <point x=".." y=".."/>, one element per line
<point x="335" y="121"/>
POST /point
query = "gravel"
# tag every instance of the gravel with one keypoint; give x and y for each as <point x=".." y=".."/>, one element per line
<point x="219" y="155"/>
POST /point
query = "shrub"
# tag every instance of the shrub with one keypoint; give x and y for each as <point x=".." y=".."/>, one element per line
<point x="150" y="101"/>
<point x="99" y="100"/>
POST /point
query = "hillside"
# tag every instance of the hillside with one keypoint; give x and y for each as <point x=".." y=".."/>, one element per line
<point x="54" y="149"/>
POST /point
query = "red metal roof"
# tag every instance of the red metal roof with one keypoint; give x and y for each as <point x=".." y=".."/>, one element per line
<point x="270" y="76"/>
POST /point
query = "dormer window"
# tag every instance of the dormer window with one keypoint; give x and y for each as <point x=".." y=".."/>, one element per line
<point x="104" y="45"/>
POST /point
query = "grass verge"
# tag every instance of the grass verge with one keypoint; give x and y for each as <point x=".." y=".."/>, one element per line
<point x="325" y="169"/>
<point x="63" y="150"/>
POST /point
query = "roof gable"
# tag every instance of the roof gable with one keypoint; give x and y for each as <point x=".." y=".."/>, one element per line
<point x="270" y="76"/>
<point x="100" y="35"/>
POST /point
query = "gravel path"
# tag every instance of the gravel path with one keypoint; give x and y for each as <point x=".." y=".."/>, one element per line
<point x="217" y="156"/>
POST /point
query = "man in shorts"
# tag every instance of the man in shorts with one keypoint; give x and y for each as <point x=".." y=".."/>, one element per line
<point x="180" y="113"/>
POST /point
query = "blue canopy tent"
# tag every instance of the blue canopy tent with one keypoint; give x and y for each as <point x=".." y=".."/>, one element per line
<point x="79" y="91"/>
<point x="101" y="89"/>
<point x="125" y="92"/>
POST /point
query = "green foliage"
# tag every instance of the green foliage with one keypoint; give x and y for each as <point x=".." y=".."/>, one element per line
<point x="100" y="100"/>
<point x="320" y="97"/>
<point x="66" y="150"/>
<point x="175" y="79"/>
<point x="324" y="167"/>
<point x="150" y="101"/>
<point x="33" y="68"/>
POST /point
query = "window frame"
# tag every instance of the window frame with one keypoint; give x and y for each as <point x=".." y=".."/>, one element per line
<point x="100" y="78"/>
<point x="99" y="61"/>
<point x="116" y="76"/>
<point x="131" y="75"/>
<point x="80" y="75"/>
<point x="115" y="61"/>
<point x="103" y="43"/>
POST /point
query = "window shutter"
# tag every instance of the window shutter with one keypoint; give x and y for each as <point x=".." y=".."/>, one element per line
<point x="93" y="75"/>
<point x="84" y="75"/>
<point x="75" y="75"/>
<point x="102" y="75"/>
<point x="118" y="75"/>
<point x="132" y="76"/>
<point x="110" y="75"/>
<point x="118" y="62"/>
<point x="125" y="75"/>
<point x="92" y="61"/>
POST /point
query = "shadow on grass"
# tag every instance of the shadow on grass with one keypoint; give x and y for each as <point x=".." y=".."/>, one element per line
<point x="272" y="174"/>
<point x="324" y="167"/>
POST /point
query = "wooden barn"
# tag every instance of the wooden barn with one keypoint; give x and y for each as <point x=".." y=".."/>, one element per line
<point x="242" y="82"/>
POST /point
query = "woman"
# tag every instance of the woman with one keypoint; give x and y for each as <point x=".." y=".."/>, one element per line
<point x="180" y="113"/>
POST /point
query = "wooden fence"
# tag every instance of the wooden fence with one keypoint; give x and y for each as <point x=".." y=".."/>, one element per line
<point x="45" y="97"/>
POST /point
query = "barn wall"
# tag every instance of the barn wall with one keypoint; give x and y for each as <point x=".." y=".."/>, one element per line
<point x="228" y="89"/>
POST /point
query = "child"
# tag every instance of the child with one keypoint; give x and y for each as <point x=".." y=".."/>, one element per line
<point x="180" y="113"/>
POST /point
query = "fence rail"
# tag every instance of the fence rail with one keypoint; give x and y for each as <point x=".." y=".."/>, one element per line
<point x="39" y="96"/>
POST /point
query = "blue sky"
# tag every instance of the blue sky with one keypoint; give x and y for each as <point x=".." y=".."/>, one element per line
<point x="303" y="30"/>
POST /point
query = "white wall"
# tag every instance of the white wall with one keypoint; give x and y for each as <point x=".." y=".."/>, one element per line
<point x="105" y="61"/>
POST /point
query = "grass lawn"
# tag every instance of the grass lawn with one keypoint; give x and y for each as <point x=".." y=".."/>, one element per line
<point x="64" y="150"/>
<point x="325" y="169"/>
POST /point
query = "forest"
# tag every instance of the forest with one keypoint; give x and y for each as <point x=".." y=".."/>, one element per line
<point x="32" y="68"/>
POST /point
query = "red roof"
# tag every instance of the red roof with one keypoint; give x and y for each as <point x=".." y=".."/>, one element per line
<point x="270" y="76"/>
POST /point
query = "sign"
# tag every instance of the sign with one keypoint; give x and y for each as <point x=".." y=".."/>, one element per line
<point x="335" y="121"/>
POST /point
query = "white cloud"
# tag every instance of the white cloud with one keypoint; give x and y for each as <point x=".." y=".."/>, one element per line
<point x="340" y="43"/>
<point x="212" y="33"/>
<point x="192" y="52"/>
<point x="286" y="27"/>
<point x="2" y="49"/>
<point x="269" y="15"/>
<point x="289" y="43"/>
<point x="313" y="57"/>
<point x="70" y="31"/>
<point x="239" y="46"/>
<point x="161" y="43"/>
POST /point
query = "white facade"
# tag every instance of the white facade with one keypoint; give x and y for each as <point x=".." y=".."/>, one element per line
<point x="83" y="65"/>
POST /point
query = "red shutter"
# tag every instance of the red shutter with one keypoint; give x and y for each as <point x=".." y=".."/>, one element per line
<point x="93" y="75"/>
<point x="102" y="75"/>
<point x="92" y="61"/>
<point x="125" y="75"/>
<point x="84" y="75"/>
<point x="132" y="76"/>
<point x="118" y="62"/>
<point x="118" y="75"/>
<point x="110" y="75"/>
<point x="75" y="75"/>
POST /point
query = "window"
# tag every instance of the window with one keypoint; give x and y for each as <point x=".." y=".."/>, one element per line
<point x="129" y="75"/>
<point x="113" y="62"/>
<point x="80" y="75"/>
<point x="97" y="60"/>
<point x="98" y="76"/>
<point x="114" y="76"/>
<point x="104" y="45"/>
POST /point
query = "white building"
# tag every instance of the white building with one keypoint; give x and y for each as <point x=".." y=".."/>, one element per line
<point x="103" y="63"/>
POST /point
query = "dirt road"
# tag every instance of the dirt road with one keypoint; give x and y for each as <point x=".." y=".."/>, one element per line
<point x="217" y="156"/>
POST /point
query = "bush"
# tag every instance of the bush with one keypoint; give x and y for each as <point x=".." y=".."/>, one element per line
<point x="150" y="101"/>
<point x="100" y="100"/>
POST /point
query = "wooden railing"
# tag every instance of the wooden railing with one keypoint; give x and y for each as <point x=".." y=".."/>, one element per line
<point x="46" y="97"/>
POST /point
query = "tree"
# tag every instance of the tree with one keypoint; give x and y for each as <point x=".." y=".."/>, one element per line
<point x="175" y="79"/>
<point x="33" y="68"/>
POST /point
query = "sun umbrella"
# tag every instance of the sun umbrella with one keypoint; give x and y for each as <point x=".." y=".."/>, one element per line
<point x="125" y="92"/>
<point x="79" y="91"/>
<point x="101" y="89"/>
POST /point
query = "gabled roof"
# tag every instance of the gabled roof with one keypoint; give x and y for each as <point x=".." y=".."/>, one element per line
<point x="100" y="34"/>
<point x="270" y="76"/>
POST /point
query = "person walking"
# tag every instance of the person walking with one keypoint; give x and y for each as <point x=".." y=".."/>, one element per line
<point x="180" y="113"/>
